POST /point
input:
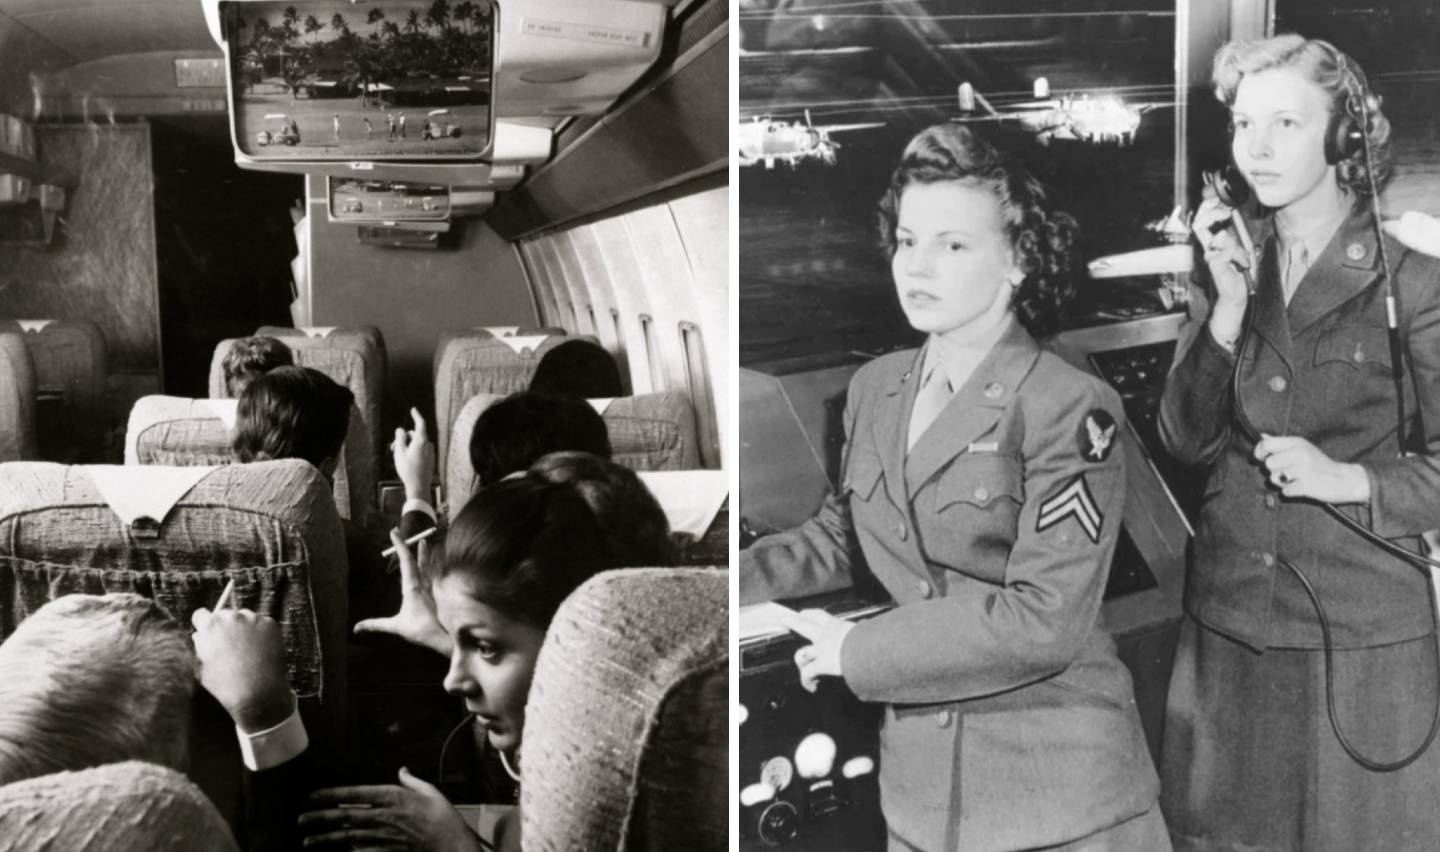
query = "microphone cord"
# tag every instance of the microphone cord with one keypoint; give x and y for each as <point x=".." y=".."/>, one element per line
<point x="1419" y="561"/>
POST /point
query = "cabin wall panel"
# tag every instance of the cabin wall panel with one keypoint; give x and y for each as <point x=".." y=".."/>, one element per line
<point x="539" y="275"/>
<point x="622" y="262"/>
<point x="101" y="266"/>
<point x="413" y="296"/>
<point x="649" y="274"/>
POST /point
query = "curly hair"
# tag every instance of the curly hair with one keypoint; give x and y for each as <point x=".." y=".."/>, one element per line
<point x="1326" y="66"/>
<point x="251" y="357"/>
<point x="1041" y="237"/>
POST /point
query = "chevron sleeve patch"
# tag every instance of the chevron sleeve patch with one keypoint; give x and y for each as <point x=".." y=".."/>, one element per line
<point x="1072" y="501"/>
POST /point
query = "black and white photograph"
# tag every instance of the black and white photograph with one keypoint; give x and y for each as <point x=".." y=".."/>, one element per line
<point x="366" y="431"/>
<point x="1089" y="372"/>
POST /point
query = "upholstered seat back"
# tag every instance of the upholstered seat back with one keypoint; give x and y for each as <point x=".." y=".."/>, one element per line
<point x="270" y="527"/>
<point x="69" y="357"/>
<point x="177" y="430"/>
<point x="626" y="744"/>
<point x="477" y="361"/>
<point x="653" y="431"/>
<point x="17" y="400"/>
<point x="124" y="806"/>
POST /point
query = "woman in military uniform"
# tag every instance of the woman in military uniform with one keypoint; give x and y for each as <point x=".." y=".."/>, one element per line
<point x="1251" y="759"/>
<point x="984" y="487"/>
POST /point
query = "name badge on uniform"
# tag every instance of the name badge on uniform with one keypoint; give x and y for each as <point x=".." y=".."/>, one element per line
<point x="984" y="447"/>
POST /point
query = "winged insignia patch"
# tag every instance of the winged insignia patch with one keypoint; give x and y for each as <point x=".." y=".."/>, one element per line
<point x="1072" y="501"/>
<point x="1097" y="435"/>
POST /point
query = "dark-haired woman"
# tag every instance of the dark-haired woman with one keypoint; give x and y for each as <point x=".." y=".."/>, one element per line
<point x="511" y="556"/>
<point x="1251" y="759"/>
<point x="984" y="482"/>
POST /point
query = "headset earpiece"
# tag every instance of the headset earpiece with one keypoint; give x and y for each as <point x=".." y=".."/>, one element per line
<point x="1350" y="119"/>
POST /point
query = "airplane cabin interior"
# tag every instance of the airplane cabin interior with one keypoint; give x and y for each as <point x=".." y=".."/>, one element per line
<point x="420" y="200"/>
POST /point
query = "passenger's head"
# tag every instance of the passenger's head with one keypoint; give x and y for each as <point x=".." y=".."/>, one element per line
<point x="973" y="238"/>
<point x="518" y="430"/>
<point x="630" y="516"/>
<point x="89" y="680"/>
<point x="293" y="413"/>
<point x="1286" y="95"/>
<point x="517" y="549"/>
<point x="578" y="368"/>
<point x="250" y="357"/>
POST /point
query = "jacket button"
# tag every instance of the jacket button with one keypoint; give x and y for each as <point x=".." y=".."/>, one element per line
<point x="982" y="493"/>
<point x="1268" y="559"/>
<point x="1277" y="383"/>
<point x="1270" y="501"/>
<point x="944" y="718"/>
<point x="924" y="588"/>
<point x="901" y="532"/>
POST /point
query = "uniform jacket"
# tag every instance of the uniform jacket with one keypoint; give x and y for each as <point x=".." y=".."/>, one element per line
<point x="1318" y="369"/>
<point x="1010" y="723"/>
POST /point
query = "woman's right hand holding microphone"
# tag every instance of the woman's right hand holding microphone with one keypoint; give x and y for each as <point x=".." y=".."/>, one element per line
<point x="1229" y="261"/>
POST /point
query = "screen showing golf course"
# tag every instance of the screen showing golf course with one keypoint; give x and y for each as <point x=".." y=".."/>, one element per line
<point x="333" y="80"/>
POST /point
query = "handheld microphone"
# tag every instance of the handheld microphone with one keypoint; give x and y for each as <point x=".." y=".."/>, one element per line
<point x="1232" y="191"/>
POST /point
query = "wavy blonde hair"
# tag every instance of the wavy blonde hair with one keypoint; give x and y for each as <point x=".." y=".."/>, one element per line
<point x="1327" y="67"/>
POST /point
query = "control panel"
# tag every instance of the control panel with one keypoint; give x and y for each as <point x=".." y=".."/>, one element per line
<point x="808" y="761"/>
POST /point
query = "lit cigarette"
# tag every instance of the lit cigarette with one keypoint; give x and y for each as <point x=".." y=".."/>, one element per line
<point x="225" y="596"/>
<point x="411" y="541"/>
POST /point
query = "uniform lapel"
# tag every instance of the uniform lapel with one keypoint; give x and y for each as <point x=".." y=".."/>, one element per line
<point x="892" y="425"/>
<point x="1271" y="322"/>
<point x="1345" y="268"/>
<point x="974" y="409"/>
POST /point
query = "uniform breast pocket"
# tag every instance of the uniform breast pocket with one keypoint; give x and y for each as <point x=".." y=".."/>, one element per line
<point x="862" y="475"/>
<point x="975" y="508"/>
<point x="1354" y="350"/>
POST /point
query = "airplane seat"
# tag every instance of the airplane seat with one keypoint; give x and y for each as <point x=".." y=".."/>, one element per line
<point x="476" y="361"/>
<point x="627" y="724"/>
<point x="496" y="360"/>
<point x="653" y="431"/>
<point x="271" y="527"/>
<point x="17" y="400"/>
<point x="131" y="805"/>
<point x="175" y="430"/>
<point x="69" y="357"/>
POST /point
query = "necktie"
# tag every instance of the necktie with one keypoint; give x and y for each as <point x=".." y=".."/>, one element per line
<point x="1297" y="263"/>
<point x="930" y="400"/>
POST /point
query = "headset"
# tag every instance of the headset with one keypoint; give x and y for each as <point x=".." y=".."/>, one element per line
<point x="1346" y="136"/>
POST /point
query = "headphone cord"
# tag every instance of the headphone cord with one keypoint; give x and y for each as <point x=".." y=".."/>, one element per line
<point x="1417" y="560"/>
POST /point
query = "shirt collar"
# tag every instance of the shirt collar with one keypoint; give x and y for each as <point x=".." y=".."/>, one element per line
<point x="1315" y="235"/>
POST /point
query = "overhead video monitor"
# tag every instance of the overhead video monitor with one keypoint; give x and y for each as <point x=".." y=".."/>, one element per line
<point x="328" y="80"/>
<point x="362" y="201"/>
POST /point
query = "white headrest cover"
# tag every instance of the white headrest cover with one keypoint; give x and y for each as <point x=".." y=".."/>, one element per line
<point x="144" y="491"/>
<point x="690" y="498"/>
<point x="529" y="341"/>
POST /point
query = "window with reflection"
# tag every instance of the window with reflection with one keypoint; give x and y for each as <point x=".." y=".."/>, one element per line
<point x="1083" y="91"/>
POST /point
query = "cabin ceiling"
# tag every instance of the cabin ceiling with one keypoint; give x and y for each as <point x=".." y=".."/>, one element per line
<point x="74" y="31"/>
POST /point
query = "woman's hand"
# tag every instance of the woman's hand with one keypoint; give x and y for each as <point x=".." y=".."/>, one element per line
<point x="1300" y="469"/>
<point x="415" y="622"/>
<point x="1228" y="262"/>
<point x="414" y="457"/>
<point x="412" y="816"/>
<point x="823" y="657"/>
